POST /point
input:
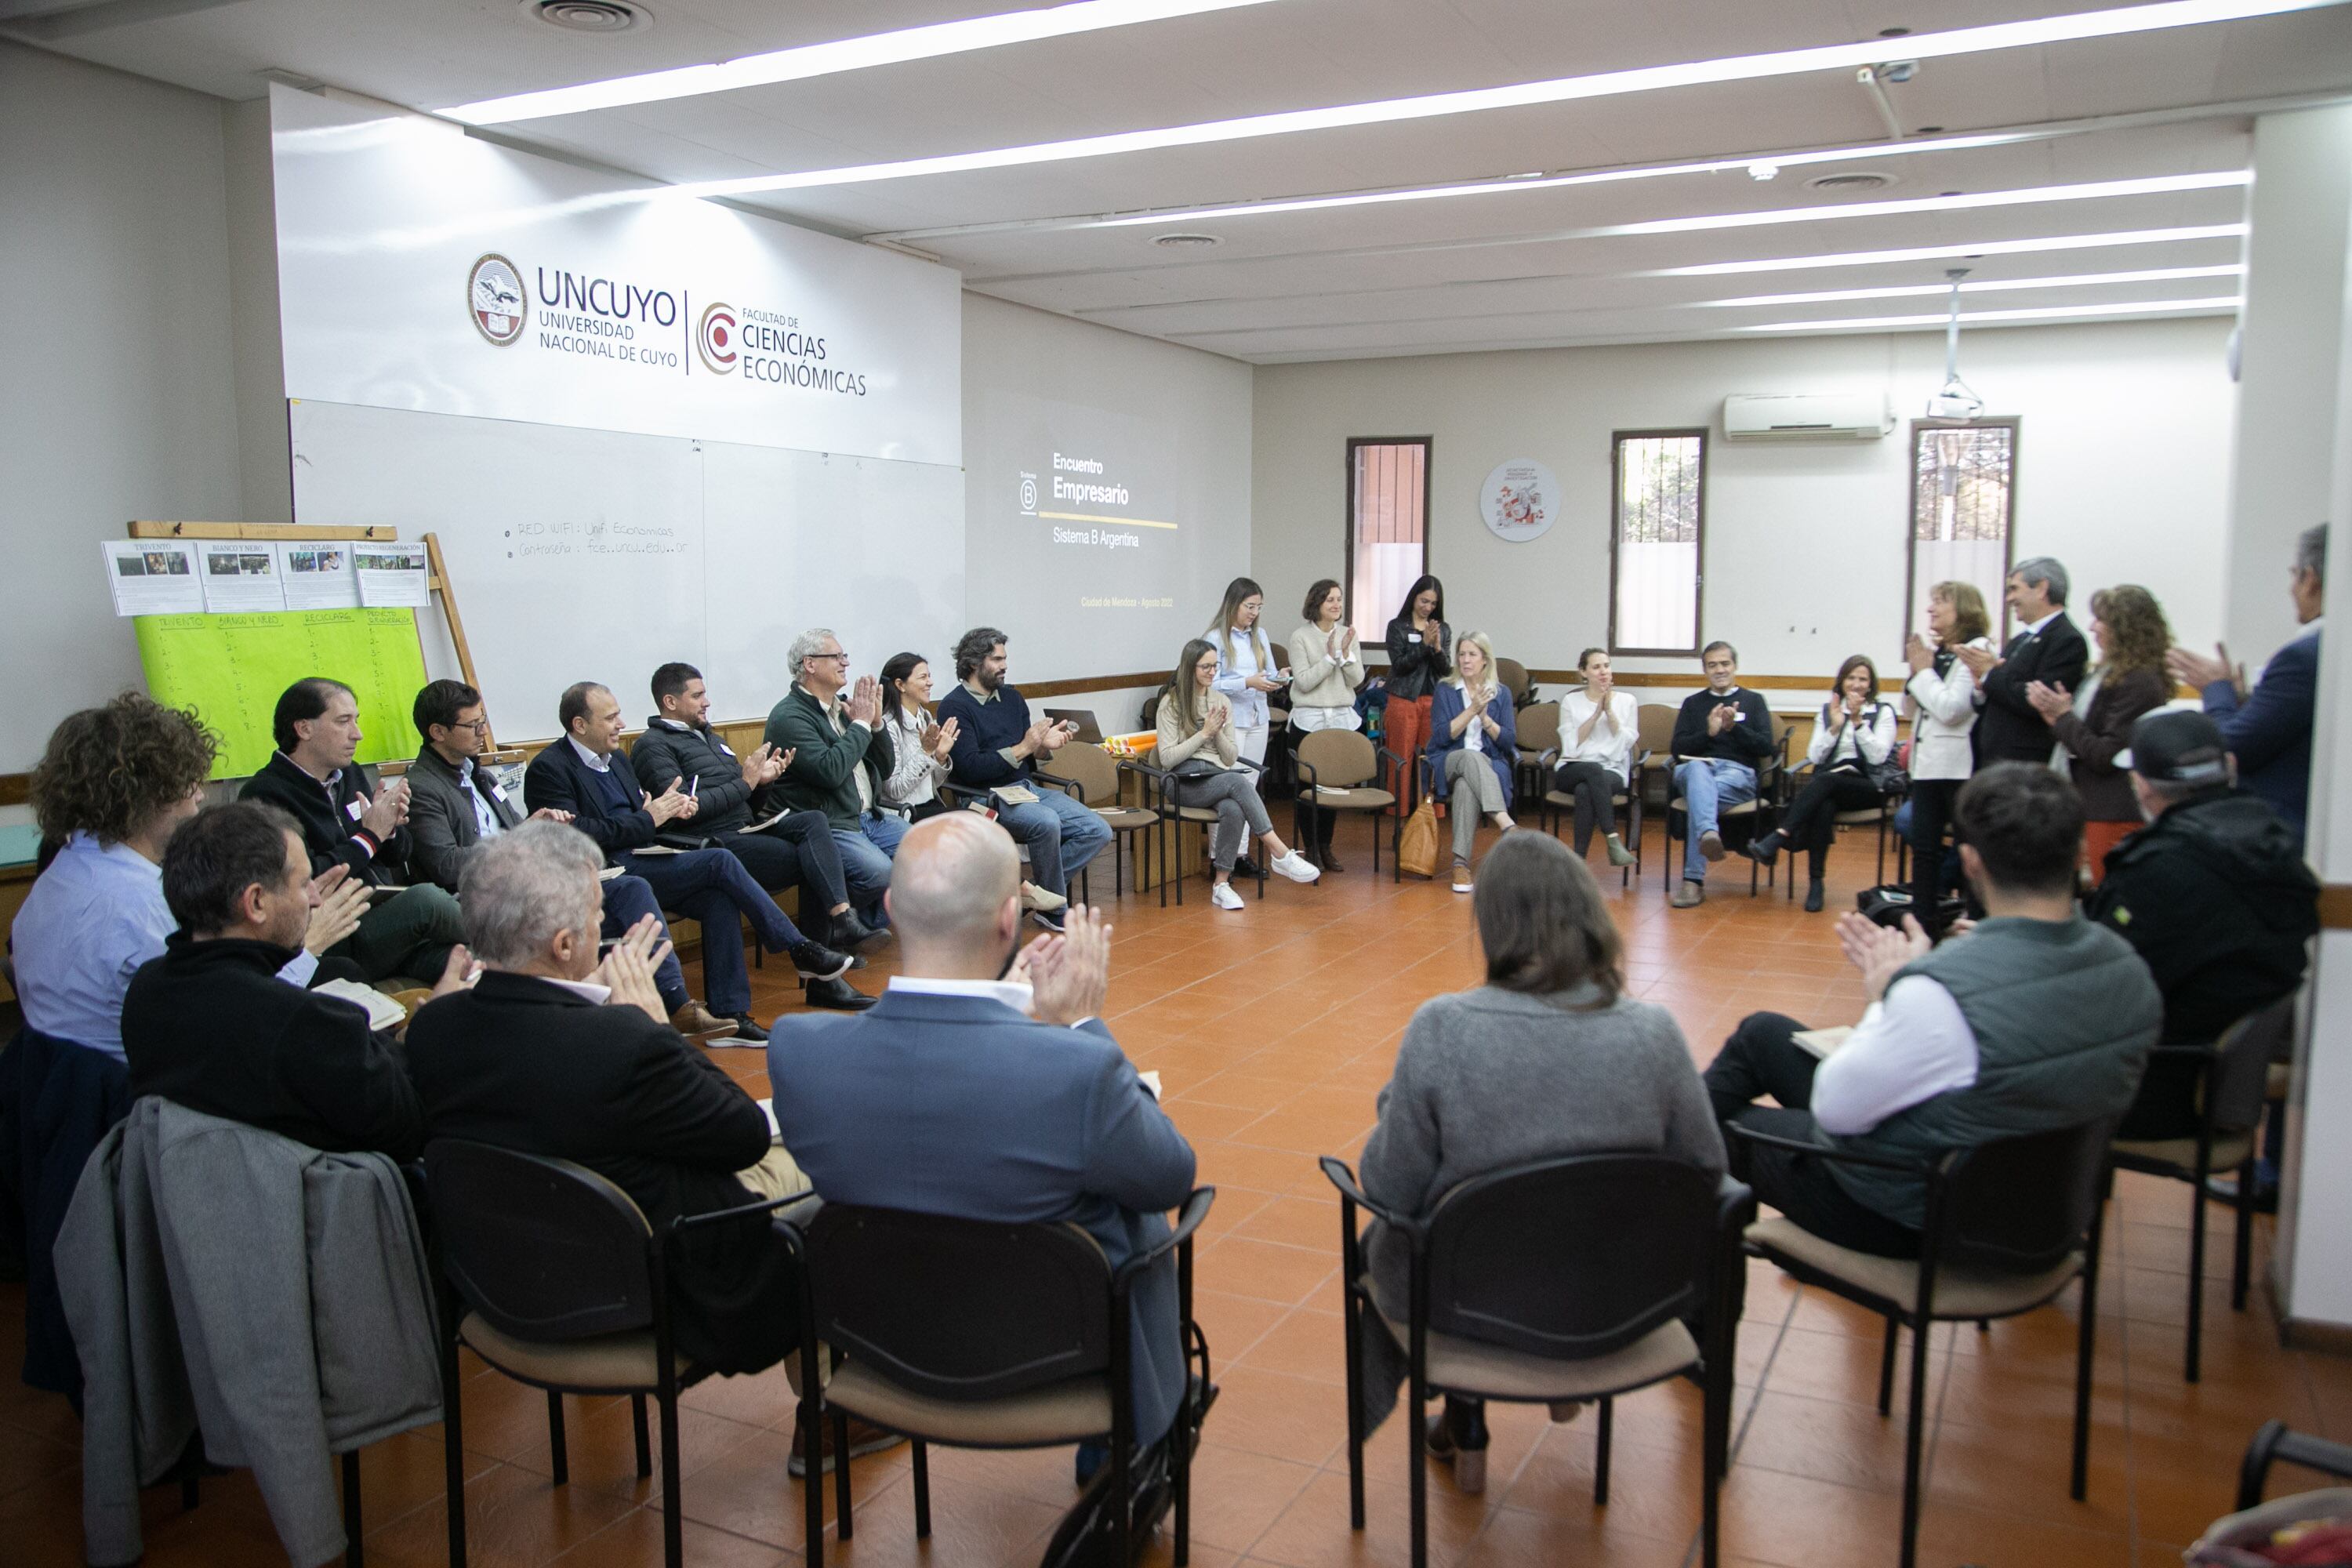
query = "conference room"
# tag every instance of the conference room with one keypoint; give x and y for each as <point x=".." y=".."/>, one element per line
<point x="1273" y="781"/>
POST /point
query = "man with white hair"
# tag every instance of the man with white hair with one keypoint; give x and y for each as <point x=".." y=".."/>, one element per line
<point x="984" y="1085"/>
<point x="839" y="752"/>
<point x="559" y="1052"/>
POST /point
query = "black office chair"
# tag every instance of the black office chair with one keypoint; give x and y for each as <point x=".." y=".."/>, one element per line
<point x="2010" y="1225"/>
<point x="564" y="1285"/>
<point x="1556" y="804"/>
<point x="2233" y="1087"/>
<point x="1568" y="1279"/>
<point x="2276" y="1440"/>
<point x="978" y="1335"/>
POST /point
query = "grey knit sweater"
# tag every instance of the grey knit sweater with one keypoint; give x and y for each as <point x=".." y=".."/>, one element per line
<point x="1491" y="1077"/>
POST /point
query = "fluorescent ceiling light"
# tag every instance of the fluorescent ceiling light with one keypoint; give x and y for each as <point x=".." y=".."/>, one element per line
<point x="1975" y="318"/>
<point x="1966" y="249"/>
<point x="827" y="60"/>
<point x="1988" y="285"/>
<point x="1557" y="181"/>
<point x="1562" y="90"/>
<point x="2034" y="196"/>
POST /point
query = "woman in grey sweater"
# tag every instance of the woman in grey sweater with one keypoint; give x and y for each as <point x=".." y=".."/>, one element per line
<point x="1548" y="1059"/>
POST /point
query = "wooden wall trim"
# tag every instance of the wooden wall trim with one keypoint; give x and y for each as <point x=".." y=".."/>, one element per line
<point x="16" y="789"/>
<point x="2335" y="906"/>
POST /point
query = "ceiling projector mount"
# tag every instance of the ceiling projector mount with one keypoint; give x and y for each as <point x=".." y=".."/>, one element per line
<point x="1957" y="401"/>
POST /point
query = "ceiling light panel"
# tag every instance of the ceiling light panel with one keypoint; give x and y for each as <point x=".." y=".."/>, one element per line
<point x="831" y="58"/>
<point x="2116" y="22"/>
<point x="2206" y="306"/>
<point x="1963" y="248"/>
<point x="1977" y="285"/>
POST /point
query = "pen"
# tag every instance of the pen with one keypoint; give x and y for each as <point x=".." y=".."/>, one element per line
<point x="694" y="786"/>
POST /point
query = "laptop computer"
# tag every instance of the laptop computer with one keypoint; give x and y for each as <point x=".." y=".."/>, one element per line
<point x="1084" y="718"/>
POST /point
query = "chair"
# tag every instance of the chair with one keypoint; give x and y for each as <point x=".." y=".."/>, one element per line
<point x="1094" y="773"/>
<point x="1653" y="732"/>
<point x="1333" y="768"/>
<point x="2232" y="1080"/>
<point x="1882" y="814"/>
<point x="1557" y="802"/>
<point x="963" y="798"/>
<point x="562" y="1286"/>
<point x="2276" y="1440"/>
<point x="1514" y="677"/>
<point x="1538" y="730"/>
<point x="1758" y="815"/>
<point x="2010" y="1224"/>
<point x="980" y="1335"/>
<point x="1567" y="1278"/>
<point x="1159" y="788"/>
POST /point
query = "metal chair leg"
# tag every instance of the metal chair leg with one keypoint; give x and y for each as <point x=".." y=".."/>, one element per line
<point x="1601" y="1452"/>
<point x="922" y="1455"/>
<point x="840" y="1472"/>
<point x="2243" y="1262"/>
<point x="1886" y="1371"/>
<point x="561" y="1458"/>
<point x="2197" y="1265"/>
<point x="1351" y="1325"/>
<point x="645" y="1439"/>
<point x="1915" y="1427"/>
<point x="673" y="1520"/>
<point x="354" y="1553"/>
<point x="453" y="1440"/>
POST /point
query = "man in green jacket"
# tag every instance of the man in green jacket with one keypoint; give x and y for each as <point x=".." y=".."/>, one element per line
<point x="840" y="753"/>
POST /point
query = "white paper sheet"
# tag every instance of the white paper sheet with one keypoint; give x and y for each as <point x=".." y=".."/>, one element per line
<point x="152" y="576"/>
<point x="393" y="576"/>
<point x="240" y="575"/>
<point x="318" y="575"/>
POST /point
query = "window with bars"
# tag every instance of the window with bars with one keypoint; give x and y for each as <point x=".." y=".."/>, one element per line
<point x="1659" y="482"/>
<point x="1388" y="535"/>
<point x="1963" y="501"/>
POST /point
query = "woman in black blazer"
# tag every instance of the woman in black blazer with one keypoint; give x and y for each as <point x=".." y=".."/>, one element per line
<point x="1420" y="654"/>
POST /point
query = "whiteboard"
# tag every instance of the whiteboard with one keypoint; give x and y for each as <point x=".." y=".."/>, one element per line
<point x="591" y="555"/>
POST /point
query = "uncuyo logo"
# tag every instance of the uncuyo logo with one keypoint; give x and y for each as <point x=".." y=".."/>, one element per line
<point x="495" y="298"/>
<point x="714" y="339"/>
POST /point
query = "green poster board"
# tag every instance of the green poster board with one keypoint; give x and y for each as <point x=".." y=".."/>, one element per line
<point x="231" y="669"/>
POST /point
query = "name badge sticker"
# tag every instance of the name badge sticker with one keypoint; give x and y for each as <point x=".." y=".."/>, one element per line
<point x="354" y="810"/>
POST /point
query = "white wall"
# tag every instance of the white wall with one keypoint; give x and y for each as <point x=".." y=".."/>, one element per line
<point x="1172" y="425"/>
<point x="2123" y="468"/>
<point x="116" y="328"/>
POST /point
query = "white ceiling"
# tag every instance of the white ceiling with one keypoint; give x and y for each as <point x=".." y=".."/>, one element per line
<point x="1505" y="269"/>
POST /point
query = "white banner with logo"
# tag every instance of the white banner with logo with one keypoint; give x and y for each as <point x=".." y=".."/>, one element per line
<point x="419" y="267"/>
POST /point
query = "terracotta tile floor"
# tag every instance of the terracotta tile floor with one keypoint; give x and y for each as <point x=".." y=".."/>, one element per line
<point x="1274" y="1029"/>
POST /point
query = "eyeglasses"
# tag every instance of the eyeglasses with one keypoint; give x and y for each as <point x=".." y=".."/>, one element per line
<point x="843" y="658"/>
<point x="477" y="725"/>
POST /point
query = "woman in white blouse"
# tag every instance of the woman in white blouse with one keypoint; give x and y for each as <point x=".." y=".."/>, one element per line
<point x="1598" y="726"/>
<point x="1943" y="695"/>
<point x="1245" y="667"/>
<point x="1853" y="734"/>
<point x="1325" y="668"/>
<point x="919" y="744"/>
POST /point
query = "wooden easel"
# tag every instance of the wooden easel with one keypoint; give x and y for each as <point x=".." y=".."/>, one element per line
<point x="437" y="573"/>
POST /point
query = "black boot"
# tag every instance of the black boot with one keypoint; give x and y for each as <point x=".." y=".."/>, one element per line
<point x="1327" y="821"/>
<point x="1814" y="897"/>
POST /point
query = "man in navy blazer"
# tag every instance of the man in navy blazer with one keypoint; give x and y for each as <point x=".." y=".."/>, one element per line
<point x="2269" y="729"/>
<point x="1006" y="1099"/>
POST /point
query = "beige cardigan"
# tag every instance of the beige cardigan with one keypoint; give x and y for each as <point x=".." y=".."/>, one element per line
<point x="1318" y="680"/>
<point x="1175" y="747"/>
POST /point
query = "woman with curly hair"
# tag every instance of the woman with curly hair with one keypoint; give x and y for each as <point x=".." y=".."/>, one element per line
<point x="2093" y="722"/>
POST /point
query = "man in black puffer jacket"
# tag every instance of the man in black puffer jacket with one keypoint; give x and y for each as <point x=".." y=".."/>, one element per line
<point x="797" y="849"/>
<point x="2213" y="893"/>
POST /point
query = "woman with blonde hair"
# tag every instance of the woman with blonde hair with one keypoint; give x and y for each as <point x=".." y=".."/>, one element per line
<point x="2093" y="722"/>
<point x="1246" y="669"/>
<point x="1941" y="693"/>
<point x="1473" y="747"/>
<point x="1197" y="745"/>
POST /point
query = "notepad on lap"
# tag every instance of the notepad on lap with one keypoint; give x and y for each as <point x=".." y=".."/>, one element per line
<point x="1822" y="1043"/>
<point x="764" y="826"/>
<point x="383" y="1011"/>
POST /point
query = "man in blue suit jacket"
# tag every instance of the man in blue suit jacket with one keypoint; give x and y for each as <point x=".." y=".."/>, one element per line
<point x="2269" y="729"/>
<point x="1006" y="1099"/>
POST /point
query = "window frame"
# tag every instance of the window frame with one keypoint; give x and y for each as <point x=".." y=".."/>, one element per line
<point x="1911" y="516"/>
<point x="1617" y="439"/>
<point x="1428" y="445"/>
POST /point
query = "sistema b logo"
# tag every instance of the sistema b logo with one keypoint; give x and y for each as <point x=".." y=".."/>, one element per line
<point x="714" y="339"/>
<point x="495" y="297"/>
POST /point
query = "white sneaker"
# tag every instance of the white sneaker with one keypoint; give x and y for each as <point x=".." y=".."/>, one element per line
<point x="1221" y="894"/>
<point x="1298" y="868"/>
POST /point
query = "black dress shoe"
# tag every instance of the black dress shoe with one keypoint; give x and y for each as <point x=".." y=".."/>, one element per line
<point x="745" y="1030"/>
<point x="850" y="934"/>
<point x="1765" y="849"/>
<point x="838" y="994"/>
<point x="816" y="962"/>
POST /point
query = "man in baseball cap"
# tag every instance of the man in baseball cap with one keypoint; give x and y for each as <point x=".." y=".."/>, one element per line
<point x="2213" y="893"/>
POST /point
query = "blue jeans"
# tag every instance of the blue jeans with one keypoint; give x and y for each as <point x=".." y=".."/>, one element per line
<point x="1708" y="785"/>
<point x="711" y="888"/>
<point x="866" y="851"/>
<point x="1060" y="835"/>
<point x="627" y="900"/>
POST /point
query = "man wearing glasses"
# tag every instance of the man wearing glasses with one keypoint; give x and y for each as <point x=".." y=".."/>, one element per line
<point x="841" y="752"/>
<point x="454" y="806"/>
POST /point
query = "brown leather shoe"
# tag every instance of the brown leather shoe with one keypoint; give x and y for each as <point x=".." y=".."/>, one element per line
<point x="862" y="1439"/>
<point x="700" y="1025"/>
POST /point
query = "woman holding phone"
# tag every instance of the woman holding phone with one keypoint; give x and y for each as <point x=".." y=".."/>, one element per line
<point x="1198" y="745"/>
<point x="1325" y="668"/>
<point x="1420" y="654"/>
<point x="1248" y="670"/>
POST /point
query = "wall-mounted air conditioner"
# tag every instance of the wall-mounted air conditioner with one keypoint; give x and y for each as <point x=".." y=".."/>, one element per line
<point x="1828" y="417"/>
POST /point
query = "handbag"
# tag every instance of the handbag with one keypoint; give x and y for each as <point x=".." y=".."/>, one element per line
<point x="1417" y="846"/>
